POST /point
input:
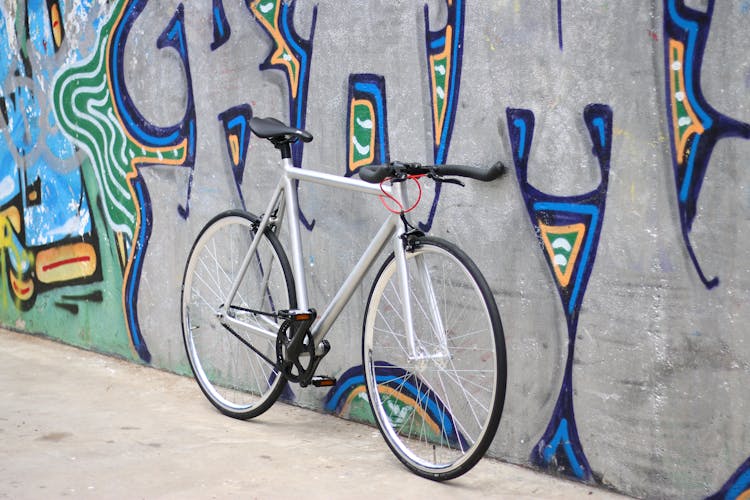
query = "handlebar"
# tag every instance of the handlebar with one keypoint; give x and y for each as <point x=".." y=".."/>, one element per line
<point x="377" y="173"/>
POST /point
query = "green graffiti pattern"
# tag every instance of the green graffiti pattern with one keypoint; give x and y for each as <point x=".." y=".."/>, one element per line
<point x="86" y="112"/>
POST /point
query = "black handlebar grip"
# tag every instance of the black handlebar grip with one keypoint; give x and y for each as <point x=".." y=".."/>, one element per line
<point x="375" y="173"/>
<point x="478" y="173"/>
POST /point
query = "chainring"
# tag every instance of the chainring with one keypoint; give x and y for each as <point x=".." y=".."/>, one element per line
<point x="293" y="369"/>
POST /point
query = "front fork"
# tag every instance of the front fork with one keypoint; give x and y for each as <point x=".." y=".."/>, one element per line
<point x="418" y="296"/>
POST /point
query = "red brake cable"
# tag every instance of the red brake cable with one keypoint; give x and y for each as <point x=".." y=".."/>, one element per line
<point x="387" y="196"/>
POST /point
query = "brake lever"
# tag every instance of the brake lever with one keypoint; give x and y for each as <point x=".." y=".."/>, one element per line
<point x="439" y="178"/>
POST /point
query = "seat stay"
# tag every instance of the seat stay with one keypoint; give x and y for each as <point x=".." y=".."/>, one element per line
<point x="262" y="226"/>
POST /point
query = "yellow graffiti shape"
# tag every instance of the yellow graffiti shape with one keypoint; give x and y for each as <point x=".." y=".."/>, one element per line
<point x="66" y="262"/>
<point x="234" y="148"/>
<point x="388" y="392"/>
<point x="283" y="55"/>
<point x="22" y="289"/>
<point x="561" y="252"/>
<point x="13" y="216"/>
<point x="354" y="127"/>
<point x="440" y="64"/>
<point x="56" y="22"/>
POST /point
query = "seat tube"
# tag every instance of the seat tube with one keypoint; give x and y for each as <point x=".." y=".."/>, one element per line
<point x="295" y="238"/>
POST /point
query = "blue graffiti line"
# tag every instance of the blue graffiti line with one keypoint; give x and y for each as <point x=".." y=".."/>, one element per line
<point x="176" y="34"/>
<point x="520" y="124"/>
<point x="562" y="437"/>
<point x="692" y="30"/>
<point x="242" y="122"/>
<point x="418" y="394"/>
<point x="118" y="43"/>
<point x="591" y="210"/>
<point x="342" y="389"/>
<point x="599" y="124"/>
<point x="559" y="24"/>
<point x="135" y="270"/>
<point x="372" y="89"/>
<point x="298" y="119"/>
<point x="742" y="485"/>
<point x="447" y="123"/>
<point x="438" y="43"/>
<point x="221" y="27"/>
<point x="686" y="182"/>
<point x="738" y="486"/>
<point x="218" y="21"/>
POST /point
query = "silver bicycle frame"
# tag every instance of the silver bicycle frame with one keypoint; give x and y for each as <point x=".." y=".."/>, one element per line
<point x="389" y="231"/>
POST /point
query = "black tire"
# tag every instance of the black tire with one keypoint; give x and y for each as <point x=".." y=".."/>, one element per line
<point x="234" y="377"/>
<point x="439" y="410"/>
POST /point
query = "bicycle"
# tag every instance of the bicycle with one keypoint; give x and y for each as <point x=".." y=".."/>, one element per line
<point x="249" y="330"/>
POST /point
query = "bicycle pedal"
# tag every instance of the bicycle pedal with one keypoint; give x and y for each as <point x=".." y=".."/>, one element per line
<point x="321" y="381"/>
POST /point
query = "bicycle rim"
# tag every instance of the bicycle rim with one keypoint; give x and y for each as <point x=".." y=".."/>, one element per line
<point x="437" y="405"/>
<point x="234" y="366"/>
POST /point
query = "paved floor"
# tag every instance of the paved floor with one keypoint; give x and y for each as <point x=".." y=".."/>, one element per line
<point x="82" y="425"/>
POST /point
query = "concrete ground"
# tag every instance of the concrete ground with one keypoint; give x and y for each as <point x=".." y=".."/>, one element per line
<point x="82" y="425"/>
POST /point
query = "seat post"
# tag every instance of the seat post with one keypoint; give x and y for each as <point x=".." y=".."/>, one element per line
<point x="285" y="147"/>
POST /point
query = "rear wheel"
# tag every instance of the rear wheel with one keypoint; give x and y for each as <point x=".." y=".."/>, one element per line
<point x="438" y="398"/>
<point x="233" y="359"/>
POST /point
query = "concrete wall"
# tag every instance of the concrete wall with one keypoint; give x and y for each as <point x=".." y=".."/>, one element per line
<point x="624" y="125"/>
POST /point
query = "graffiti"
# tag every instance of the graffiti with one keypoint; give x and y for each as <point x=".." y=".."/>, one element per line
<point x="222" y="30"/>
<point x="738" y="486"/>
<point x="77" y="148"/>
<point x="694" y="126"/>
<point x="47" y="236"/>
<point x="237" y="134"/>
<point x="291" y="55"/>
<point x="559" y="25"/>
<point x="96" y="111"/>
<point x="444" y="57"/>
<point x="419" y="405"/>
<point x="367" y="123"/>
<point x="348" y="399"/>
<point x="568" y="232"/>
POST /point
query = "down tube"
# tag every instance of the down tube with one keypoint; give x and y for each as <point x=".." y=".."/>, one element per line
<point x="380" y="240"/>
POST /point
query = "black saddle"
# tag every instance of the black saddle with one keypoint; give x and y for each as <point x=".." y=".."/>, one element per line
<point x="277" y="132"/>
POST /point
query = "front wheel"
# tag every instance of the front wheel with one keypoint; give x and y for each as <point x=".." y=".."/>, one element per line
<point x="233" y="356"/>
<point x="438" y="395"/>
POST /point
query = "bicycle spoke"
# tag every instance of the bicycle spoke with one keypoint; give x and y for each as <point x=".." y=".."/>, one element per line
<point x="233" y="361"/>
<point x="452" y="377"/>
